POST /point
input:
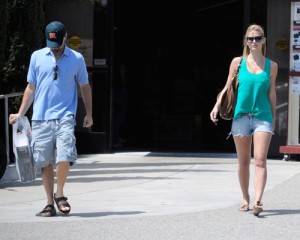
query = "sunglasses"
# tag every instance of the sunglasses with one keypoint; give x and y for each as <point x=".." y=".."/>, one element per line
<point x="55" y="70"/>
<point x="257" y="38"/>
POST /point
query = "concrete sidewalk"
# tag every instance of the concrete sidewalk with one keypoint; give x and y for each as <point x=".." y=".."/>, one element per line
<point x="155" y="196"/>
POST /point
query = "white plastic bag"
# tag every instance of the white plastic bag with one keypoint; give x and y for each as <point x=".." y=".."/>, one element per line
<point x="21" y="147"/>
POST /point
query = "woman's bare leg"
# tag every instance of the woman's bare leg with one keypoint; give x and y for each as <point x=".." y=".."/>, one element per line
<point x="243" y="149"/>
<point x="261" y="143"/>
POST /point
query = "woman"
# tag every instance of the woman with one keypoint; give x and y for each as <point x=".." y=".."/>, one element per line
<point x="255" y="112"/>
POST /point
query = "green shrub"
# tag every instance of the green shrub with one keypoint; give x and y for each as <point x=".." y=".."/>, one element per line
<point x="22" y="27"/>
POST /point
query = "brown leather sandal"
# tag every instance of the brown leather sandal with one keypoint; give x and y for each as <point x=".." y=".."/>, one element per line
<point x="244" y="208"/>
<point x="48" y="211"/>
<point x="61" y="203"/>
<point x="257" y="208"/>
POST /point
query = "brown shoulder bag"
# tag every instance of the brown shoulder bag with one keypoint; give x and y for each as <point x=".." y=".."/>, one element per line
<point x="228" y="100"/>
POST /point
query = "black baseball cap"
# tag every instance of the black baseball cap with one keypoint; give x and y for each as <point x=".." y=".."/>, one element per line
<point x="55" y="32"/>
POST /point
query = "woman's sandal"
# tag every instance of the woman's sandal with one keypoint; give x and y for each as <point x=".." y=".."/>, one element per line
<point x="245" y="204"/>
<point x="257" y="208"/>
<point x="61" y="203"/>
<point x="244" y="208"/>
<point x="48" y="211"/>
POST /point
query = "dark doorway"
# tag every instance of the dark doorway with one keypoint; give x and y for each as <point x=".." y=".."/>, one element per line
<point x="176" y="55"/>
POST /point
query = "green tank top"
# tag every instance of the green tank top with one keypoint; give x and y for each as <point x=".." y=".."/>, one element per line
<point x="253" y="90"/>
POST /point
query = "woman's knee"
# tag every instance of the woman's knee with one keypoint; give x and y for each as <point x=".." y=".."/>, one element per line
<point x="260" y="160"/>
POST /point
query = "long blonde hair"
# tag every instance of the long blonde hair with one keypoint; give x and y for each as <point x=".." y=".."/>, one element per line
<point x="258" y="28"/>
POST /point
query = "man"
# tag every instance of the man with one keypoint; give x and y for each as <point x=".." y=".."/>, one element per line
<point x="53" y="75"/>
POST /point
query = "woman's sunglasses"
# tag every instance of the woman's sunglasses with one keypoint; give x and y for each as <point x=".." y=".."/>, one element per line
<point x="257" y="39"/>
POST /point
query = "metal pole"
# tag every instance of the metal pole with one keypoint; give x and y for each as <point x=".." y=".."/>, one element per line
<point x="7" y="140"/>
<point x="6" y="131"/>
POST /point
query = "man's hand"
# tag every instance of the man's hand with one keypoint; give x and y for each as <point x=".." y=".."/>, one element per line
<point x="13" y="118"/>
<point x="87" y="121"/>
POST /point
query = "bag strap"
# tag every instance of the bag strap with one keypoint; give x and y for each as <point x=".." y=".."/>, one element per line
<point x="238" y="68"/>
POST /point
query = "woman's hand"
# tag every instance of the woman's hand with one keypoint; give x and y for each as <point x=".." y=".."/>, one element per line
<point x="214" y="115"/>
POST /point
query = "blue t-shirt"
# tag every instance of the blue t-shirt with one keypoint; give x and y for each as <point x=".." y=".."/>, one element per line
<point x="55" y="99"/>
<point x="253" y="93"/>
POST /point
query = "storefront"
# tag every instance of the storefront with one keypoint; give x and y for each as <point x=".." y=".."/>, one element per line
<point x="156" y="68"/>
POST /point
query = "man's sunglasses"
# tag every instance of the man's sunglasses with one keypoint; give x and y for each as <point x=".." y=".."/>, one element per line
<point x="257" y="38"/>
<point x="55" y="70"/>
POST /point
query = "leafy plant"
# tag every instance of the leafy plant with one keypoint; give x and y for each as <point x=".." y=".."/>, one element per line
<point x="22" y="24"/>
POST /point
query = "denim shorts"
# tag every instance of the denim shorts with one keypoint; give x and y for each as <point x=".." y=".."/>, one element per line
<point x="247" y="125"/>
<point x="53" y="141"/>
